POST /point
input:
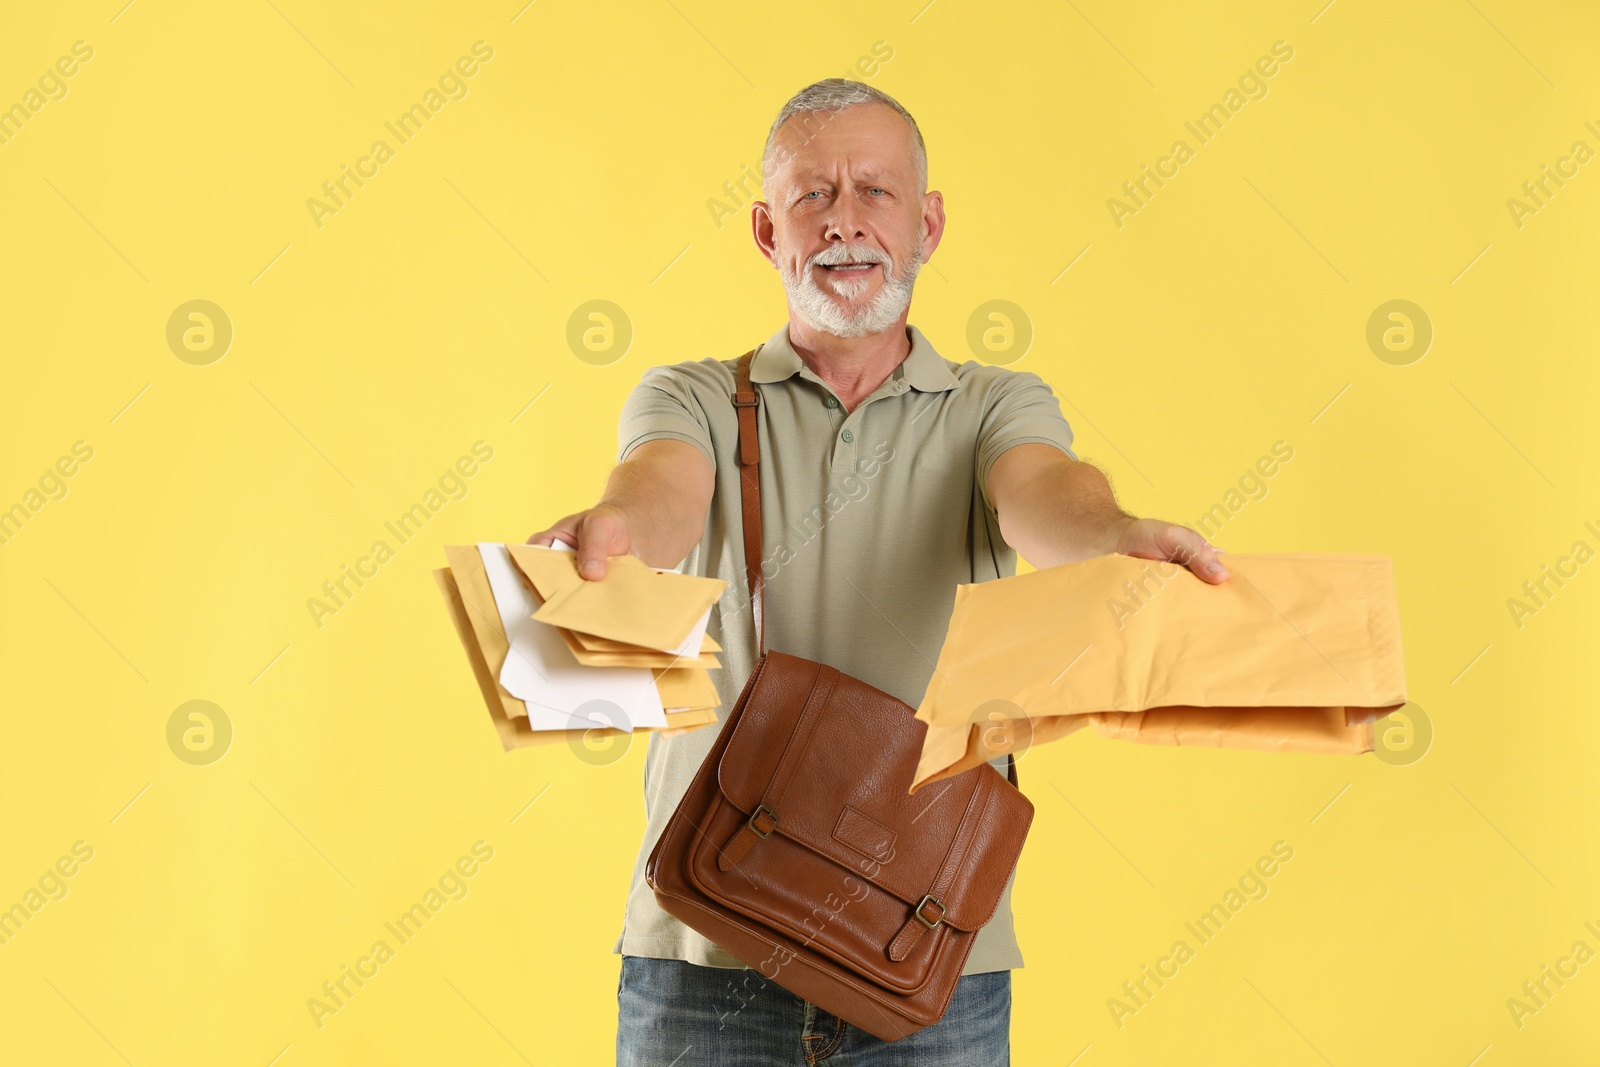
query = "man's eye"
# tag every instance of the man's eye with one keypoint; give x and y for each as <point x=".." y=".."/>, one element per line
<point x="814" y="192"/>
<point x="875" y="189"/>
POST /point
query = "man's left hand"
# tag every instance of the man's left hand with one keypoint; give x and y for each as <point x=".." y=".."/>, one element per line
<point x="1156" y="539"/>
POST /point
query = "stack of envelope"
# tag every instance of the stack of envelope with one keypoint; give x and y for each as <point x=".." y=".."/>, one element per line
<point x="560" y="658"/>
<point x="1296" y="652"/>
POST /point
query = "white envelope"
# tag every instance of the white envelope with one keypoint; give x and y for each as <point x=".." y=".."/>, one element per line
<point x="542" y="672"/>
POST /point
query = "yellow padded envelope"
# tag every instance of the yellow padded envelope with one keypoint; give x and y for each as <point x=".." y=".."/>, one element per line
<point x="551" y="570"/>
<point x="634" y="602"/>
<point x="654" y="660"/>
<point x="686" y="687"/>
<point x="1296" y="652"/>
<point x="639" y="657"/>
<point x="591" y="643"/>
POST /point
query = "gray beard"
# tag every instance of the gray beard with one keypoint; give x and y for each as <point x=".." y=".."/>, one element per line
<point x="821" y="312"/>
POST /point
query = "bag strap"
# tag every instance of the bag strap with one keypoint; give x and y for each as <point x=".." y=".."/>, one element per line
<point x="745" y="401"/>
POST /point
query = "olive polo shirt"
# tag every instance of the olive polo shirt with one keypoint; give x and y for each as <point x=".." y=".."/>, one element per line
<point x="869" y="521"/>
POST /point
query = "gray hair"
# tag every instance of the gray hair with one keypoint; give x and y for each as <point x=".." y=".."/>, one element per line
<point x="832" y="95"/>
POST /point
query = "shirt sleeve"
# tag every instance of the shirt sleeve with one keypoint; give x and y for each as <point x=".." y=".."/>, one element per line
<point x="1022" y="409"/>
<point x="663" y="405"/>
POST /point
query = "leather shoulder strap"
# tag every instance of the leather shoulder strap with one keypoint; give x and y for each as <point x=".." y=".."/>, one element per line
<point x="745" y="401"/>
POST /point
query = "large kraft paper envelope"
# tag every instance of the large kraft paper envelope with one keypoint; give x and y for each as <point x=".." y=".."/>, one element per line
<point x="484" y="628"/>
<point x="515" y="732"/>
<point x="634" y="603"/>
<point x="1296" y="652"/>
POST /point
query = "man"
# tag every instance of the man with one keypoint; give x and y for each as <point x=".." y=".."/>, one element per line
<point x="888" y="476"/>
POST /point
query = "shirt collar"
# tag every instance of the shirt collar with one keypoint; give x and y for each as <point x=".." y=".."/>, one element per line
<point x="923" y="368"/>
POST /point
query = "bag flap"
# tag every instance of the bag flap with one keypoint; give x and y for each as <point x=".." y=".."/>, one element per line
<point x="847" y="797"/>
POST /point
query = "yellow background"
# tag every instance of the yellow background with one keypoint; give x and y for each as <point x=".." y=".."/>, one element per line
<point x="369" y="353"/>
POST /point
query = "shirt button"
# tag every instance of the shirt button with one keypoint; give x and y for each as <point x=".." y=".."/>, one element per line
<point x="848" y="436"/>
<point x="833" y="401"/>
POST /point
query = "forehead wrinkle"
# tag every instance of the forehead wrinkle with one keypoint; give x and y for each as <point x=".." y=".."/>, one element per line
<point x="870" y="173"/>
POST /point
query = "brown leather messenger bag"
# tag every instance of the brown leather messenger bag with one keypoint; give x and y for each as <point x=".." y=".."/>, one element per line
<point x="798" y="849"/>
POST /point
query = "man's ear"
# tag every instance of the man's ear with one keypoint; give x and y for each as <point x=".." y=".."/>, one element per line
<point x="761" y="229"/>
<point x="933" y="221"/>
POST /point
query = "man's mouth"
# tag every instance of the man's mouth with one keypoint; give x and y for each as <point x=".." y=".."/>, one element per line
<point x="847" y="268"/>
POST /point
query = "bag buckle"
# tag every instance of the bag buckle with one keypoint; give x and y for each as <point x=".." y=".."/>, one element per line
<point x="924" y="902"/>
<point x="751" y="821"/>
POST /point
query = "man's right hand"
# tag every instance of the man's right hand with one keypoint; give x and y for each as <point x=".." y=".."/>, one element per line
<point x="597" y="533"/>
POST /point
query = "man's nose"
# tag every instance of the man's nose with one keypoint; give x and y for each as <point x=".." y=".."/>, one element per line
<point x="845" y="225"/>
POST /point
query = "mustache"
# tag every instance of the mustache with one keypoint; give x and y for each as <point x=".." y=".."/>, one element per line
<point x="832" y="257"/>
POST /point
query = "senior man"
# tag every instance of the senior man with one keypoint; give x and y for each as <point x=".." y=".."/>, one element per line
<point x="889" y="475"/>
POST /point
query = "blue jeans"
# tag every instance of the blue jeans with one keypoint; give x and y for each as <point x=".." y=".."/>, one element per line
<point x="676" y="1014"/>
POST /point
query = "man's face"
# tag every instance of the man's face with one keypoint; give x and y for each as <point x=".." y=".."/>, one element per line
<point x="847" y="218"/>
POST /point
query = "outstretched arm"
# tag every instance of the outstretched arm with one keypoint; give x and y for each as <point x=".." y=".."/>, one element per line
<point x="1054" y="509"/>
